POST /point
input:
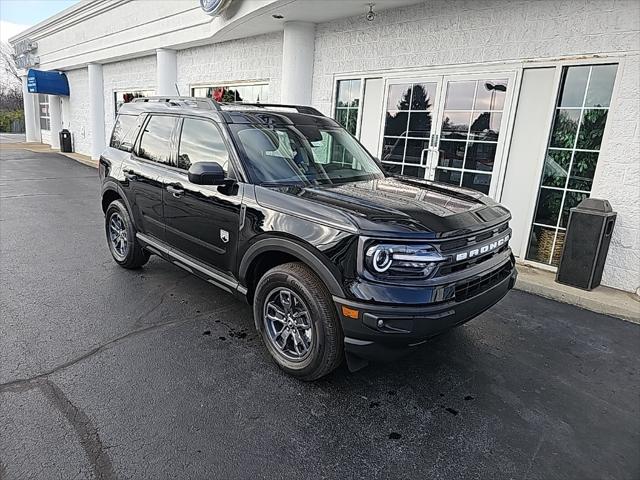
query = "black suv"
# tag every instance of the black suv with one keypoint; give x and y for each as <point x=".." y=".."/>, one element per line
<point x="282" y="207"/>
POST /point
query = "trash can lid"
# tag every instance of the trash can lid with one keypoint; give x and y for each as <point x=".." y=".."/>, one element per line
<point x="595" y="205"/>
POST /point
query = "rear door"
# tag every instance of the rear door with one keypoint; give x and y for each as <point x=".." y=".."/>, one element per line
<point x="142" y="171"/>
<point x="202" y="220"/>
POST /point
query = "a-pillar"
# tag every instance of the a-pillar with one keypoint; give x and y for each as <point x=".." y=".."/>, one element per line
<point x="297" y="62"/>
<point x="96" y="110"/>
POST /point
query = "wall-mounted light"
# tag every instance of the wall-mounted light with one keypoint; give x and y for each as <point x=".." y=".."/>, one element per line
<point x="371" y="15"/>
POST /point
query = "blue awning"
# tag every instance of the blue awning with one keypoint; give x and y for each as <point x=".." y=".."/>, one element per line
<point x="52" y="83"/>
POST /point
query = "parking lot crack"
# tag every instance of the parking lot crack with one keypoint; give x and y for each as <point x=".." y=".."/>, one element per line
<point x="84" y="428"/>
<point x="15" y="385"/>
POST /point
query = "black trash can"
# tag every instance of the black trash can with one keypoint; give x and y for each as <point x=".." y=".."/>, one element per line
<point x="65" y="141"/>
<point x="586" y="244"/>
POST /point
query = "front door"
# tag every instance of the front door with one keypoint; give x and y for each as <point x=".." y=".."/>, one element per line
<point x="202" y="221"/>
<point x="448" y="128"/>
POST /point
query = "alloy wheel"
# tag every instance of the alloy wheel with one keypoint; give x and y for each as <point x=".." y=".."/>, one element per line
<point x="118" y="236"/>
<point x="288" y="324"/>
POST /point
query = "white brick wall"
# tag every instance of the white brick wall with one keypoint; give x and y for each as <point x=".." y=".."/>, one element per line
<point x="135" y="74"/>
<point x="439" y="32"/>
<point x="253" y="58"/>
<point x="78" y="107"/>
<point x="618" y="177"/>
<point x="46" y="136"/>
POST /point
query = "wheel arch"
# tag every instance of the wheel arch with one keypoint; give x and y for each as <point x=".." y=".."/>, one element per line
<point x="111" y="191"/>
<point x="270" y="252"/>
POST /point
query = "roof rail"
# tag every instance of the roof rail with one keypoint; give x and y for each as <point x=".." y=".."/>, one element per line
<point x="197" y="102"/>
<point x="299" y="108"/>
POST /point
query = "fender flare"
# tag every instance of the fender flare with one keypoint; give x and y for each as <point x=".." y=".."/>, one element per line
<point x="291" y="247"/>
<point x="111" y="185"/>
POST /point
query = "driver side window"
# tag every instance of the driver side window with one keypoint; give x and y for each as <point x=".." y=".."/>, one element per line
<point x="201" y="141"/>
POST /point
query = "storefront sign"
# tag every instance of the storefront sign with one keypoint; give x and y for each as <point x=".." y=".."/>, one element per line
<point x="214" y="7"/>
<point x="27" y="60"/>
<point x="24" y="53"/>
<point x="25" y="46"/>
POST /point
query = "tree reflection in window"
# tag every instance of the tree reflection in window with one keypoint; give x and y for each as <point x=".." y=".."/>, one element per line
<point x="470" y="129"/>
<point x="572" y="155"/>
<point x="407" y="128"/>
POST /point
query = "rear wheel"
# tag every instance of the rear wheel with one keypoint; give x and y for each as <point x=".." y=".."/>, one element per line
<point x="121" y="237"/>
<point x="296" y="316"/>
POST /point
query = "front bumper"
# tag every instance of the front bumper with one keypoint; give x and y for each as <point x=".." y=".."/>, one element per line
<point x="383" y="332"/>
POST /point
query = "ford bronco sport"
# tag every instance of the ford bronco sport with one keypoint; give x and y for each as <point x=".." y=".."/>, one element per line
<point x="282" y="207"/>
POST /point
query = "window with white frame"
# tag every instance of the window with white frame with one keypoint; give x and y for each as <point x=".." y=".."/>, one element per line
<point x="347" y="104"/>
<point x="571" y="156"/>
<point x="231" y="93"/>
<point x="126" y="96"/>
<point x="45" y="116"/>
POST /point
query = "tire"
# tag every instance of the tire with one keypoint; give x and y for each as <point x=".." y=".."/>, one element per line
<point x="128" y="254"/>
<point x="324" y="338"/>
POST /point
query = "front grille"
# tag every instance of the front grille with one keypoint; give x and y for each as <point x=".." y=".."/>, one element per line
<point x="478" y="285"/>
<point x="452" y="248"/>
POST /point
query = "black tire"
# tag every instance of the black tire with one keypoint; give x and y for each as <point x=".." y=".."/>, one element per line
<point x="131" y="256"/>
<point x="326" y="351"/>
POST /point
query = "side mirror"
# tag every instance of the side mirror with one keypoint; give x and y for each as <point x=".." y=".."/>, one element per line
<point x="206" y="173"/>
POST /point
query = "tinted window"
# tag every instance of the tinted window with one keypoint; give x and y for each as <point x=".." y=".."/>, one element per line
<point x="201" y="141"/>
<point x="302" y="154"/>
<point x="124" y="132"/>
<point x="155" y="145"/>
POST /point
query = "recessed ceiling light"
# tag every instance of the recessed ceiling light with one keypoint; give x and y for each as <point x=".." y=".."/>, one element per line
<point x="277" y="16"/>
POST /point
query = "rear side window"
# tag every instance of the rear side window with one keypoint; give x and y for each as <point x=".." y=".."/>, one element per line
<point x="124" y="132"/>
<point x="201" y="141"/>
<point x="155" y="144"/>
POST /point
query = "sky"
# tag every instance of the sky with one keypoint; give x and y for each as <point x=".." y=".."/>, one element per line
<point x="18" y="15"/>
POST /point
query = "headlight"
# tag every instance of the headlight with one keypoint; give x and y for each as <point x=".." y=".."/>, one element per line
<point x="385" y="259"/>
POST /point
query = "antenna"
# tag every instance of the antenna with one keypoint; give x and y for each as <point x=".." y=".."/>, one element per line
<point x="177" y="89"/>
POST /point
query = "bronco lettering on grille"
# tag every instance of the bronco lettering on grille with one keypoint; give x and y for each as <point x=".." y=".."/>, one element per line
<point x="482" y="250"/>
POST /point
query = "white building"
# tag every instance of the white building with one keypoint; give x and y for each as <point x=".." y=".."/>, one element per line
<point x="536" y="103"/>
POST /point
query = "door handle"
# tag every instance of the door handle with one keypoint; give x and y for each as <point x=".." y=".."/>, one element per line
<point x="175" y="190"/>
<point x="130" y="174"/>
<point x="422" y="164"/>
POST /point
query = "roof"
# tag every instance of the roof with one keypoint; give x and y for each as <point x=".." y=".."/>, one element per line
<point x="253" y="113"/>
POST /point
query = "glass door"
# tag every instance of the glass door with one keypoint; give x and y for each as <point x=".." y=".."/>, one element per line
<point x="447" y="128"/>
<point x="470" y="131"/>
<point x="407" y="127"/>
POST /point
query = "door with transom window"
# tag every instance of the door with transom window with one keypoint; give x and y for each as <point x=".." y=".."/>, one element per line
<point x="447" y="128"/>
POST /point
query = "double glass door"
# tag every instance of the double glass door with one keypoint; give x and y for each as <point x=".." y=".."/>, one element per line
<point x="447" y="128"/>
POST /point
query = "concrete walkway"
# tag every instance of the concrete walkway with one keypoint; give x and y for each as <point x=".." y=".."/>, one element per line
<point x="11" y="138"/>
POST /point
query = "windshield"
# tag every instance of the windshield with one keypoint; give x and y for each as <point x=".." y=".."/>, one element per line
<point x="304" y="154"/>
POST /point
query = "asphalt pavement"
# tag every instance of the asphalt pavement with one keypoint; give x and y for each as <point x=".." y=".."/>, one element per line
<point x="109" y="373"/>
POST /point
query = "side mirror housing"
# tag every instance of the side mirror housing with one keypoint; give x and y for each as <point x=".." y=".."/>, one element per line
<point x="206" y="173"/>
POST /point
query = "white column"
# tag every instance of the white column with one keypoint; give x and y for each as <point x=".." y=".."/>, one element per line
<point x="297" y="62"/>
<point x="31" y="115"/>
<point x="56" y="120"/>
<point x="96" y="110"/>
<point x="167" y="72"/>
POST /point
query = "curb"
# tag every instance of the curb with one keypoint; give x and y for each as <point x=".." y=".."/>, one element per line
<point x="604" y="300"/>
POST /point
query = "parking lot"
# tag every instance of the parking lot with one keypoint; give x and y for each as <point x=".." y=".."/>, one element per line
<point x="108" y="373"/>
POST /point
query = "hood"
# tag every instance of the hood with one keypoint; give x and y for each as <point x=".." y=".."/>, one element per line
<point x="396" y="205"/>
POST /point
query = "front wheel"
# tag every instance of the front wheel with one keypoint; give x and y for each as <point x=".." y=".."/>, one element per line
<point x="298" y="322"/>
<point x="121" y="237"/>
